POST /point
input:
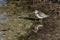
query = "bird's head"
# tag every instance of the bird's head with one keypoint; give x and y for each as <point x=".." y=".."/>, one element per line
<point x="36" y="11"/>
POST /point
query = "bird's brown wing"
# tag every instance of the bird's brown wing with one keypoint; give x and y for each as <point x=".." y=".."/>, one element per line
<point x="42" y="14"/>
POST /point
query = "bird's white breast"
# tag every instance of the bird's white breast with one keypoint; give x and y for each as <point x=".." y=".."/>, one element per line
<point x="38" y="16"/>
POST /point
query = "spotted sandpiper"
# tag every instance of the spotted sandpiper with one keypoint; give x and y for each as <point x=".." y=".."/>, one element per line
<point x="40" y="14"/>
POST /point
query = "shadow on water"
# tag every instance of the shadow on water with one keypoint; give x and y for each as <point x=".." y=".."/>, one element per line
<point x="29" y="18"/>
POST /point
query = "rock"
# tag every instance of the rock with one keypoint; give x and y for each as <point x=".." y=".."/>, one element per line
<point x="3" y="3"/>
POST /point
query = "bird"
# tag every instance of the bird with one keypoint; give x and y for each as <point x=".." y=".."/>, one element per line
<point x="40" y="15"/>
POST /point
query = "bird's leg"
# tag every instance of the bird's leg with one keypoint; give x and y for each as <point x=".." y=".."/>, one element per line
<point x="41" y="21"/>
<point x="35" y="20"/>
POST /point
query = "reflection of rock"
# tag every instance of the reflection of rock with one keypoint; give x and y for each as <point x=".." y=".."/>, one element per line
<point x="2" y="3"/>
<point x="3" y="17"/>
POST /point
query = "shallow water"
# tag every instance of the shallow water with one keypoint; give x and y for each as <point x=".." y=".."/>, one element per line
<point x="1" y="35"/>
<point x="3" y="17"/>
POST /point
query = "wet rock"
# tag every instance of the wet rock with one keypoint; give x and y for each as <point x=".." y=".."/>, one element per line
<point x="3" y="3"/>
